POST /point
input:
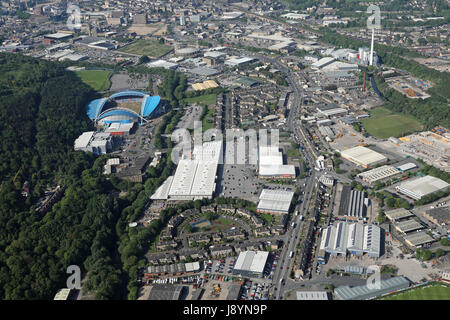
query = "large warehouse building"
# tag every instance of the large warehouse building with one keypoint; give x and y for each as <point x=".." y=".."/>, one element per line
<point x="417" y="188"/>
<point x="353" y="238"/>
<point x="275" y="201"/>
<point x="271" y="164"/>
<point x="251" y="264"/>
<point x="123" y="107"/>
<point x="363" y="156"/>
<point x="364" y="292"/>
<point x="378" y="174"/>
<point x="194" y="178"/>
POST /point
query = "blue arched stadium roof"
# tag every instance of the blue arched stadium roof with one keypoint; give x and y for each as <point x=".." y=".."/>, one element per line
<point x="149" y="105"/>
<point x="94" y="108"/>
<point x="118" y="112"/>
<point x="128" y="93"/>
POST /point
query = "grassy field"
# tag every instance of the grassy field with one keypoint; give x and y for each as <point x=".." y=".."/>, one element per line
<point x="437" y="292"/>
<point x="150" y="48"/>
<point x="204" y="100"/>
<point x="96" y="79"/>
<point x="383" y="124"/>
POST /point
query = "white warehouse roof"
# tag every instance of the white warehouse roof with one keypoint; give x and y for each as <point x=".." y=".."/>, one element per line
<point x="253" y="261"/>
<point x="417" y="188"/>
<point x="363" y="156"/>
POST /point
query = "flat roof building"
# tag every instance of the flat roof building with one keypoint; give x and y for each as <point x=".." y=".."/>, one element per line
<point x="407" y="166"/>
<point x="378" y="174"/>
<point x="331" y="110"/>
<point x="275" y="201"/>
<point x="233" y="62"/>
<point x="251" y="264"/>
<point x="363" y="156"/>
<point x="312" y="295"/>
<point x="417" y="188"/>
<point x="365" y="293"/>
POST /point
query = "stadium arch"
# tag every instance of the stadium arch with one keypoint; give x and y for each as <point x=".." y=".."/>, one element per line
<point x="123" y="107"/>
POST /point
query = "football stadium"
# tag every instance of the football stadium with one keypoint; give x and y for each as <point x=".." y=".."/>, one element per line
<point x="123" y="107"/>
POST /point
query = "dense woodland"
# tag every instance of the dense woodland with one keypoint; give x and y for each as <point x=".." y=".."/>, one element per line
<point x="42" y="110"/>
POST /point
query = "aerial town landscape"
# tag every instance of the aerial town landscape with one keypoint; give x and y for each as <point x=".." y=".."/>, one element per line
<point x="225" y="150"/>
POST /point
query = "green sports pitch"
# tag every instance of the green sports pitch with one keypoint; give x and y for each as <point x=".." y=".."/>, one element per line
<point x="384" y="123"/>
<point x="96" y="79"/>
<point x="433" y="292"/>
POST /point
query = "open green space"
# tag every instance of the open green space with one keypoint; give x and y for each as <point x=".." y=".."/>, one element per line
<point x="150" y="48"/>
<point x="436" y="292"/>
<point x="96" y="79"/>
<point x="384" y="123"/>
<point x="204" y="100"/>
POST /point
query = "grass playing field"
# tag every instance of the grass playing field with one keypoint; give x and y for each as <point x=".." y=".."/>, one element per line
<point x="383" y="124"/>
<point x="96" y="79"/>
<point x="150" y="48"/>
<point x="204" y="100"/>
<point x="437" y="292"/>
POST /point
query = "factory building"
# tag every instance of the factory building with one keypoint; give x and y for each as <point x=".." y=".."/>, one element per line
<point x="417" y="188"/>
<point x="363" y="156"/>
<point x="251" y="264"/>
<point x="352" y="238"/>
<point x="352" y="203"/>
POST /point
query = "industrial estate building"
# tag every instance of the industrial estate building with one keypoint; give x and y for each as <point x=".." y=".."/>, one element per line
<point x="332" y="109"/>
<point x="195" y="177"/>
<point x="417" y="239"/>
<point x="378" y="174"/>
<point x="123" y="107"/>
<point x="408" y="226"/>
<point x="363" y="156"/>
<point x="352" y="203"/>
<point x="275" y="201"/>
<point x="312" y="295"/>
<point x="271" y="164"/>
<point x="417" y="188"/>
<point x="439" y="216"/>
<point x="96" y="142"/>
<point x="353" y="238"/>
<point x="364" y="292"/>
<point x="398" y="214"/>
<point x="251" y="264"/>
